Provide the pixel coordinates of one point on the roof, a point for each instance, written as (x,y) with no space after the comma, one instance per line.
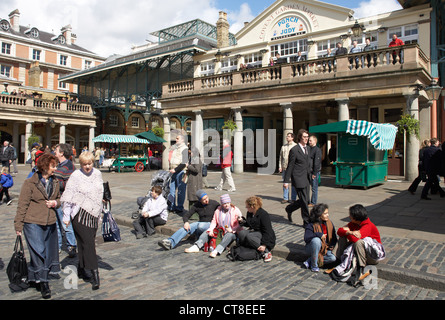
(190,28)
(381,135)
(150,136)
(119,138)
(42,37)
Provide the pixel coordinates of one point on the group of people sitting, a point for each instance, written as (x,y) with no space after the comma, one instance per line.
(221,223)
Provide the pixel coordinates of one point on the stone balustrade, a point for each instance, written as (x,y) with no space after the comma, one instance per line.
(375,61)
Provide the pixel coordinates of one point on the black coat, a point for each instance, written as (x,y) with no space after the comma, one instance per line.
(432,160)
(298,169)
(260,221)
(315,155)
(7,155)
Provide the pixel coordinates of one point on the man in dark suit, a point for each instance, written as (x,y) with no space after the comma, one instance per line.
(6,155)
(315,162)
(432,161)
(298,172)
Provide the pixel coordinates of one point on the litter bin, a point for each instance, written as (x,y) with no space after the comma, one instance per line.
(362,151)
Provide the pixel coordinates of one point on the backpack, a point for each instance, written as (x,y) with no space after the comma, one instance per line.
(241,253)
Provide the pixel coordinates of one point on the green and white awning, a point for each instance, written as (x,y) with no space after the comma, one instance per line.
(119,138)
(381,135)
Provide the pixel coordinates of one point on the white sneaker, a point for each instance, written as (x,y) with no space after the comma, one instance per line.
(218,188)
(213,254)
(192,249)
(231,190)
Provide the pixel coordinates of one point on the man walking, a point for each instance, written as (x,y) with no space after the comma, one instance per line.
(6,155)
(177,163)
(298,170)
(226,163)
(432,163)
(282,166)
(64,170)
(315,162)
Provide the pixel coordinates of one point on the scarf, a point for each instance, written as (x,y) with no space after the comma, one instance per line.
(85,191)
(324,243)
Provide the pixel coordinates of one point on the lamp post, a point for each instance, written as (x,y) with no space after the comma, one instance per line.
(433,91)
(357,29)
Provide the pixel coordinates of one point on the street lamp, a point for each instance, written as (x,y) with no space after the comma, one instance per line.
(357,29)
(433,90)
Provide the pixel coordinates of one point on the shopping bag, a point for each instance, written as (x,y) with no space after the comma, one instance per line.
(110,229)
(17,269)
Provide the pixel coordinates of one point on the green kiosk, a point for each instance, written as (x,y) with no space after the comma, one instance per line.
(362,151)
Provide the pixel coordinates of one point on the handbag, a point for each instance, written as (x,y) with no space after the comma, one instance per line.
(107,191)
(17,269)
(110,229)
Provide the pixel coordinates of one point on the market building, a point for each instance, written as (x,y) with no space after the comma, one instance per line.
(33,100)
(202,75)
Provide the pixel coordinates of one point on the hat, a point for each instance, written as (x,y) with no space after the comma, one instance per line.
(225,198)
(200,194)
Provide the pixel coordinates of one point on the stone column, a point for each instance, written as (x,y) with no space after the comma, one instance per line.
(28,133)
(288,123)
(62,133)
(165,153)
(238,166)
(343,109)
(412,143)
(90,139)
(197,131)
(312,116)
(48,134)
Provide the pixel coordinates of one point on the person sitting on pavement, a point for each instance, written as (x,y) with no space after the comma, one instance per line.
(225,219)
(205,208)
(365,239)
(260,234)
(320,238)
(154,213)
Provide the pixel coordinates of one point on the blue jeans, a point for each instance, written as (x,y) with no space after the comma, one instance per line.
(195,228)
(177,204)
(313,248)
(43,252)
(286,191)
(226,240)
(314,184)
(69,233)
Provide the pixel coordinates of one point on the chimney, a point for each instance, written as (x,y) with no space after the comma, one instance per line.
(66,32)
(14,20)
(222,31)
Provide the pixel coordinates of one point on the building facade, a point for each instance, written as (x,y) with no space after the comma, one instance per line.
(33,99)
(242,83)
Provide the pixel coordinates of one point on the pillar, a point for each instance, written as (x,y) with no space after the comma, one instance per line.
(197,131)
(412,143)
(62,133)
(90,139)
(343,109)
(238,166)
(28,133)
(165,153)
(288,123)
(48,135)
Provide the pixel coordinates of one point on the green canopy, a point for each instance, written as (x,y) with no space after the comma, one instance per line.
(119,138)
(149,135)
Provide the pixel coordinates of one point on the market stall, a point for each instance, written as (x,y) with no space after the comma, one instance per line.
(362,151)
(130,155)
(156,148)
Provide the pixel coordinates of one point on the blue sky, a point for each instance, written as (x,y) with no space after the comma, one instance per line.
(109,27)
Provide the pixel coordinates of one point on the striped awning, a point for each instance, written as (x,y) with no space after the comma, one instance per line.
(119,138)
(381,135)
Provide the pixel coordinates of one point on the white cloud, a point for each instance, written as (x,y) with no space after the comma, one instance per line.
(374,7)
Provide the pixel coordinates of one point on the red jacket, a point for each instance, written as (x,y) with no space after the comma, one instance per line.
(396,43)
(227,157)
(367,229)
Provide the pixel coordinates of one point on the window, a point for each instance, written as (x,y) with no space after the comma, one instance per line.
(228,65)
(63,60)
(207,68)
(323,45)
(36,54)
(253,59)
(62,85)
(409,33)
(6,48)
(5,70)
(135,122)
(289,48)
(114,122)
(88,64)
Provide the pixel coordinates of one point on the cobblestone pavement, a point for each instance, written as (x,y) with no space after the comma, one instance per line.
(412,232)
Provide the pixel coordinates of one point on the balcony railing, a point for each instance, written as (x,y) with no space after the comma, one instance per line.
(43,105)
(375,61)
